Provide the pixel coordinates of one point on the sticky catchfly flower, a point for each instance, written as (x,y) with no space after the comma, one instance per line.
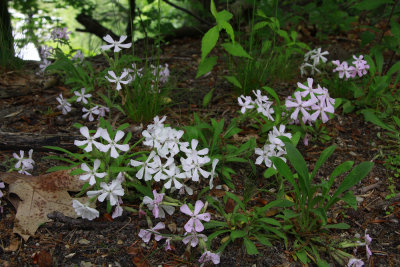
(91,174)
(116,44)
(194,223)
(145,235)
(64,106)
(84,210)
(89,139)
(118,80)
(82,97)
(111,191)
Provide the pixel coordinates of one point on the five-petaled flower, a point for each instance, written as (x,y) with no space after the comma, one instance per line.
(194,223)
(64,106)
(118,80)
(156,206)
(209,256)
(82,96)
(145,235)
(84,210)
(91,174)
(112,144)
(116,44)
(89,139)
(111,191)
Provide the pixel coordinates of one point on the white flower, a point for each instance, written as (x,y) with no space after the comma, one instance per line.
(212,174)
(173,174)
(84,210)
(91,174)
(158,123)
(245,102)
(64,106)
(102,110)
(317,56)
(160,168)
(111,191)
(118,80)
(267,152)
(1,186)
(192,153)
(275,133)
(82,96)
(194,167)
(89,112)
(78,55)
(355,263)
(115,44)
(90,140)
(25,163)
(112,144)
(145,170)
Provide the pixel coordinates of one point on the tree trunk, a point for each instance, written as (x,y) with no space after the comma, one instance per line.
(6,38)
(131,17)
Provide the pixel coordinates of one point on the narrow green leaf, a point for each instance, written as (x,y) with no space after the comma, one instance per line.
(370,116)
(324,156)
(342,226)
(263,240)
(298,162)
(235,50)
(236,199)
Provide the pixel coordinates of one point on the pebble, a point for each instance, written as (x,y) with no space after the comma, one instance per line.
(84,241)
(120,242)
(85,264)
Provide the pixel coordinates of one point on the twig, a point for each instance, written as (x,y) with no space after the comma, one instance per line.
(188,12)
(370,187)
(81,223)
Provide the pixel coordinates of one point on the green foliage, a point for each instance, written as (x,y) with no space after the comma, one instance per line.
(313,201)
(218,137)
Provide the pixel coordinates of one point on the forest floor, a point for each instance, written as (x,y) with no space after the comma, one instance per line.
(31,109)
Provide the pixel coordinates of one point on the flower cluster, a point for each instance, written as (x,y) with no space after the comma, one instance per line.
(1,195)
(111,191)
(311,60)
(261,102)
(274,148)
(311,103)
(23,164)
(345,71)
(60,34)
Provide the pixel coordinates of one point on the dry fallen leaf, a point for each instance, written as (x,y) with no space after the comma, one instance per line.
(41,195)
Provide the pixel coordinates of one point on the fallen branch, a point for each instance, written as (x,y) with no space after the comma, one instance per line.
(94,27)
(188,12)
(82,223)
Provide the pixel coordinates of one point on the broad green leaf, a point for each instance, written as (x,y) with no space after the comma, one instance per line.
(237,234)
(269,221)
(270,172)
(207,98)
(377,52)
(206,66)
(350,199)
(396,120)
(214,235)
(228,28)
(395,68)
(302,255)
(250,247)
(215,224)
(233,80)
(208,41)
(342,168)
(115,169)
(145,190)
(235,50)
(324,156)
(260,25)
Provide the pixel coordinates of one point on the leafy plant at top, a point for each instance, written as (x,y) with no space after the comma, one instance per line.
(312,201)
(245,223)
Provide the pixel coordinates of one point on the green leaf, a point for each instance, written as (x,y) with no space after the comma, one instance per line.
(395,68)
(215,224)
(237,234)
(370,116)
(269,221)
(214,235)
(235,50)
(350,199)
(59,168)
(206,66)
(302,255)
(233,80)
(396,120)
(115,169)
(342,168)
(342,226)
(228,28)
(236,199)
(285,171)
(145,190)
(208,41)
(371,4)
(270,172)
(272,92)
(324,156)
(263,240)
(298,162)
(356,175)
(213,9)
(250,247)
(260,25)
(207,98)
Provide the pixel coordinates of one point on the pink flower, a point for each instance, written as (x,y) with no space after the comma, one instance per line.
(368,241)
(156,207)
(209,256)
(194,223)
(300,105)
(145,235)
(193,238)
(355,263)
(343,69)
